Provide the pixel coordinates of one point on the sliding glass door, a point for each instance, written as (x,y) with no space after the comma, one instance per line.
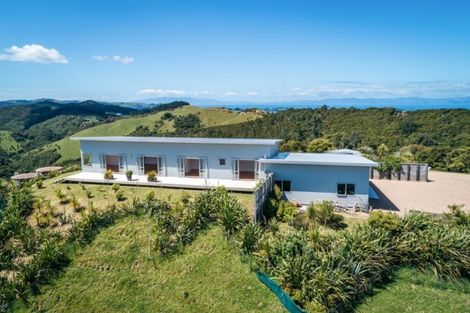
(245,169)
(152,163)
(192,167)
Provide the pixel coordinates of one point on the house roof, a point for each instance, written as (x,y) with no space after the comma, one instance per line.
(227,141)
(338,159)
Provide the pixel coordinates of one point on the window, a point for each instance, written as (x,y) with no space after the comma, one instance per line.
(221,161)
(346,189)
(86,159)
(284,185)
(350,189)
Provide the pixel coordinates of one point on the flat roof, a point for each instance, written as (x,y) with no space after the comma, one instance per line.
(320,159)
(223,141)
(47,169)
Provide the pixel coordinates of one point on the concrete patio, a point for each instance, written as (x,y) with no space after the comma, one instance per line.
(170,182)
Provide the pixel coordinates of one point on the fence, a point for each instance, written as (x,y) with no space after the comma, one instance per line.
(408,172)
(261,195)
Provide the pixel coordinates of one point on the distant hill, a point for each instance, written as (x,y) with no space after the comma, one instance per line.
(409,103)
(30,127)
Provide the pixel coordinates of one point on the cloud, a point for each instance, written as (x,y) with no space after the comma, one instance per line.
(115,58)
(33,53)
(163,92)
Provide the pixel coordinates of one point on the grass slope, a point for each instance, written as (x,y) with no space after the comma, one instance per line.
(7,142)
(69,149)
(114,274)
(418,292)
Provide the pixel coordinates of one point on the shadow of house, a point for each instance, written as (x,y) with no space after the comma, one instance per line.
(383,202)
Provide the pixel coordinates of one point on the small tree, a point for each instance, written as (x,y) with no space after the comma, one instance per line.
(319,145)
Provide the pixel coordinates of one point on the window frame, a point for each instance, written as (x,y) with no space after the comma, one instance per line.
(345,186)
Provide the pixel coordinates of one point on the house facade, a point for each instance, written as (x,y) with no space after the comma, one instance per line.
(341,177)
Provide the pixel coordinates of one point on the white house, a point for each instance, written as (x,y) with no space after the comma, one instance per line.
(236,164)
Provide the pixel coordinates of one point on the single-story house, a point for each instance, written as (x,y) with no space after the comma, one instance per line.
(238,164)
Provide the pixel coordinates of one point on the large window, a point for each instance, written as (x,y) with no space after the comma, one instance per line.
(86,159)
(346,189)
(284,185)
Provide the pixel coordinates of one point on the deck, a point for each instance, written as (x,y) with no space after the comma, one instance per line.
(169,182)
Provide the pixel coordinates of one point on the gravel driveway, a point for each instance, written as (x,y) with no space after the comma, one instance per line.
(434,196)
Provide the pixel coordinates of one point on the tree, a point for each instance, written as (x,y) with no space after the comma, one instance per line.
(187,122)
(407,126)
(382,152)
(292,146)
(319,145)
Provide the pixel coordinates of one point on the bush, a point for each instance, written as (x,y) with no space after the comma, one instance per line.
(89,194)
(129,174)
(108,174)
(326,216)
(286,211)
(152,176)
(115,187)
(457,216)
(249,238)
(387,221)
(120,196)
(39,183)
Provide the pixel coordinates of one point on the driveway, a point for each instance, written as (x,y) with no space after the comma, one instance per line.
(433,196)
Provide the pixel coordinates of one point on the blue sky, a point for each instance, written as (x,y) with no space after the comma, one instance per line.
(235,50)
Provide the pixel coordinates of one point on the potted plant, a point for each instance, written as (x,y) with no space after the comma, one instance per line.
(152,176)
(129,174)
(108,174)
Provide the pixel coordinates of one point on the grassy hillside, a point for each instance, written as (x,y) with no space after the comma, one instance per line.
(7,142)
(114,274)
(418,292)
(69,150)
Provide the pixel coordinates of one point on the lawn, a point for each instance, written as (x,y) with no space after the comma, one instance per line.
(103,195)
(414,291)
(114,274)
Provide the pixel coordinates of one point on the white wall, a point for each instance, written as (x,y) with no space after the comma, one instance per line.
(171,151)
(310,183)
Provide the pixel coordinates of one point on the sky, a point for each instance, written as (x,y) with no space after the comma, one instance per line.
(234,50)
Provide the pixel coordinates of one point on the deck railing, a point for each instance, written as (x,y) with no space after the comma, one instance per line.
(261,195)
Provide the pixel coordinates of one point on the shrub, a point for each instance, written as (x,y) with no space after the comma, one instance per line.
(120,196)
(385,220)
(39,183)
(286,211)
(89,194)
(115,187)
(231,215)
(152,176)
(129,174)
(249,237)
(108,174)
(61,196)
(77,207)
(326,216)
(457,216)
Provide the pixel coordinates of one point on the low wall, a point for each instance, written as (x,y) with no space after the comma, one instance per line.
(408,172)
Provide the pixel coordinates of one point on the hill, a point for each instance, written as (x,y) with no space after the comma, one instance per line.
(65,150)
(7,142)
(438,137)
(115,274)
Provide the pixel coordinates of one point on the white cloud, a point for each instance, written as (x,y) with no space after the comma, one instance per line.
(163,92)
(115,58)
(33,53)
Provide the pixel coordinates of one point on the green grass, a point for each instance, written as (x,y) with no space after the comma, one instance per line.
(7,143)
(103,195)
(114,274)
(69,149)
(414,292)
